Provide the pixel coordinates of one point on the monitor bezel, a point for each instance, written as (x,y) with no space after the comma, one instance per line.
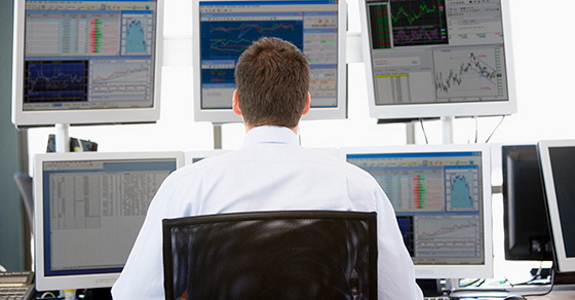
(435,110)
(561,262)
(485,270)
(222,116)
(21,118)
(95,280)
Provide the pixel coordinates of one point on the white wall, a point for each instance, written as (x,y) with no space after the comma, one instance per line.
(544,81)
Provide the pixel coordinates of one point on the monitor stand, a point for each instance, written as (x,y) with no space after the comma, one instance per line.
(62,138)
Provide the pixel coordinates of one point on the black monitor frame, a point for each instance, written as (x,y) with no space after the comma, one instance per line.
(526,229)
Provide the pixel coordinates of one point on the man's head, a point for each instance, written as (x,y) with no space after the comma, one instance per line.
(272,79)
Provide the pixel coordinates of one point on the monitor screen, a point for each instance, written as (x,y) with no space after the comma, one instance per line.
(442,199)
(267,254)
(558,169)
(86,62)
(224,29)
(524,219)
(437,58)
(89,208)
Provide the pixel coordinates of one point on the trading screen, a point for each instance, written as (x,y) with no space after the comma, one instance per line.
(227,28)
(89,55)
(438,201)
(93,211)
(437,51)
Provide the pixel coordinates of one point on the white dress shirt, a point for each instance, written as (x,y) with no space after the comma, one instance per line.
(270,172)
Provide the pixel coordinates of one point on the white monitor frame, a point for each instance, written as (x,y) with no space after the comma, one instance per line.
(70,281)
(225,115)
(92,116)
(563,263)
(429,271)
(193,156)
(395,112)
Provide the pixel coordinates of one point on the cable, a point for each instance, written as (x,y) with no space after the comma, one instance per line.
(476,283)
(495,129)
(530,281)
(550,287)
(424,133)
(476,129)
(47,294)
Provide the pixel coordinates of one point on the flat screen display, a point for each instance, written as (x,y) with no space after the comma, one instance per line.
(441,197)
(89,208)
(82,62)
(224,29)
(558,169)
(436,58)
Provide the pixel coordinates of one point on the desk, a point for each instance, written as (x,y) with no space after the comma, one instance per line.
(556,295)
(559,292)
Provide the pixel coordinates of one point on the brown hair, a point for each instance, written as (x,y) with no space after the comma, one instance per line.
(272,79)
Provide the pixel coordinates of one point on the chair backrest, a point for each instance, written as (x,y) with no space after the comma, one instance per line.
(271,255)
(24,183)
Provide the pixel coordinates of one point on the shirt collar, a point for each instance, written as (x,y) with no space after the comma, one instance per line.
(270,135)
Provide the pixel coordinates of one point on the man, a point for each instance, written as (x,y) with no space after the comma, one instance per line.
(270,172)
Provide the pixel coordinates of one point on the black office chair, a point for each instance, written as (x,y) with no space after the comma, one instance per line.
(24,183)
(271,255)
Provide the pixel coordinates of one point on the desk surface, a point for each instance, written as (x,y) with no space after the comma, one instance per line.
(559,292)
(556,295)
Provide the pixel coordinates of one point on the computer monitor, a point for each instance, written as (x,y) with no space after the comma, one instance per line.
(224,28)
(89,209)
(271,255)
(441,195)
(86,62)
(526,230)
(558,169)
(437,58)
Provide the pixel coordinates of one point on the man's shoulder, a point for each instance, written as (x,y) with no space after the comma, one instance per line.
(327,158)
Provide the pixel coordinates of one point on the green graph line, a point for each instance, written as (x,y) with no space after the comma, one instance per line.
(424,9)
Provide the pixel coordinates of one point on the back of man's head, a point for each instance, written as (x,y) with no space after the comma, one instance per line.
(272,79)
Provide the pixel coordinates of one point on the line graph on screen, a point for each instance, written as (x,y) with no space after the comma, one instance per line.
(120,79)
(229,39)
(457,235)
(464,73)
(55,81)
